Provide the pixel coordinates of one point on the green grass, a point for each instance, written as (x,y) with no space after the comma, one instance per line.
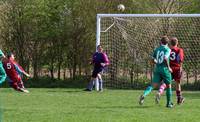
(75,105)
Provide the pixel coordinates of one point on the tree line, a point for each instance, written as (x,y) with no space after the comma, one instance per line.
(58,36)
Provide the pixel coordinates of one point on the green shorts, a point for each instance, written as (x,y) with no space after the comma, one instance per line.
(162,73)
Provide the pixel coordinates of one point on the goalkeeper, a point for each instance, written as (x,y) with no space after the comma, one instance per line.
(100,61)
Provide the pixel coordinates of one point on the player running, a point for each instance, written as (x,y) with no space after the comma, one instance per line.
(100,61)
(14,72)
(162,70)
(2,71)
(176,61)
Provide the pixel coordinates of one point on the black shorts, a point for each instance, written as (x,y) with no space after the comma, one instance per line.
(96,71)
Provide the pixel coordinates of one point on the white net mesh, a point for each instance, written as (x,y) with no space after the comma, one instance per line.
(129,42)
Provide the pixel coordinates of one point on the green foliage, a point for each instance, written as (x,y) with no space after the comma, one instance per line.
(47,82)
(192,86)
(60,34)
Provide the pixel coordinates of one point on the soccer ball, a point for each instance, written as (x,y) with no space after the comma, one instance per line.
(121,7)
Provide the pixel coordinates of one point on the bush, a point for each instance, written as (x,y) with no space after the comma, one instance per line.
(47,82)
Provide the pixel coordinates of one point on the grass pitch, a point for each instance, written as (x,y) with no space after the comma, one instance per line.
(75,105)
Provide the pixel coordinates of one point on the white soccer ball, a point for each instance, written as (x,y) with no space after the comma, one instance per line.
(121,7)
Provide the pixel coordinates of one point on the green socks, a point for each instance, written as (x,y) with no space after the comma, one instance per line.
(169,95)
(147,90)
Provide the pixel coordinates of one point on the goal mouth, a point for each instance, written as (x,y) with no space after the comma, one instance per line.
(129,40)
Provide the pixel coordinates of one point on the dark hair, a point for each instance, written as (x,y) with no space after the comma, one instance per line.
(9,54)
(173,41)
(98,46)
(164,40)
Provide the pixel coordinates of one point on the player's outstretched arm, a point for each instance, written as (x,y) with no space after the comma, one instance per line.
(27,75)
(21,70)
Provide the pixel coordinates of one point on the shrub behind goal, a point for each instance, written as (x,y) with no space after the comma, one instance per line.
(129,40)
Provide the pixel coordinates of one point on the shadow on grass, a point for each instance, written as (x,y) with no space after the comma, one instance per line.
(67,91)
(117,107)
(141,107)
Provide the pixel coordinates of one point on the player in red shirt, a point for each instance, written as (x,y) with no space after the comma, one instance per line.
(176,61)
(14,72)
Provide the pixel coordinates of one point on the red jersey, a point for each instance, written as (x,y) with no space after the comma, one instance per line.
(11,71)
(176,57)
(20,70)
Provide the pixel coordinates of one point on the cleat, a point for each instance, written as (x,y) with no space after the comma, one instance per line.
(180,100)
(87,90)
(141,100)
(170,105)
(24,90)
(157,99)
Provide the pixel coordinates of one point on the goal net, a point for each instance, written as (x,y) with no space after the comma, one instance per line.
(129,40)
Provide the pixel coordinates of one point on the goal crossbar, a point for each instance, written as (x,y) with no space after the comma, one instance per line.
(148,15)
(99,16)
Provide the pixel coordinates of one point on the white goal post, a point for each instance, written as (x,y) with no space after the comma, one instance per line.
(129,39)
(99,16)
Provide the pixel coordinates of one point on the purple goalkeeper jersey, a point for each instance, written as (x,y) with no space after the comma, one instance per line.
(99,58)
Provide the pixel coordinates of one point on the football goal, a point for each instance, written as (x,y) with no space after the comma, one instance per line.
(129,40)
